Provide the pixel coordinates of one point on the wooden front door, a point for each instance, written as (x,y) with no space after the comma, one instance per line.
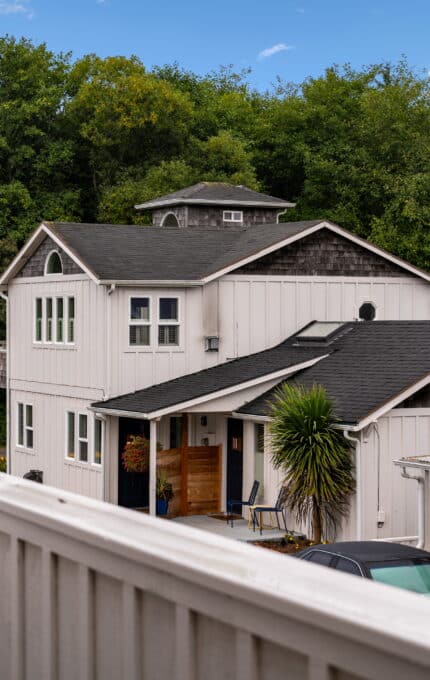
(234,459)
(133,487)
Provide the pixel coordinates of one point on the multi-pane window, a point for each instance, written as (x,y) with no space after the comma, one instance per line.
(168,321)
(38,320)
(98,440)
(25,425)
(140,321)
(77,436)
(54,320)
(232,216)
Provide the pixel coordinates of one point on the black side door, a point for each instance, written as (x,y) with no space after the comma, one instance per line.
(133,487)
(234,459)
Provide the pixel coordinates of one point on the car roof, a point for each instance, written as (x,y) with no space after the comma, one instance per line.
(371,551)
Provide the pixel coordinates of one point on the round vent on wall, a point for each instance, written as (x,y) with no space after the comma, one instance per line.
(367,311)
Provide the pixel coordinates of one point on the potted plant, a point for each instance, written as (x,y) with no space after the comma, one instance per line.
(135,455)
(164,494)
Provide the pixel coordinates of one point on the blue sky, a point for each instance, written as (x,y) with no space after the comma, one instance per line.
(289,38)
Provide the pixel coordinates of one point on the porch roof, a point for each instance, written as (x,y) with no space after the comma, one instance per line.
(369,371)
(366,367)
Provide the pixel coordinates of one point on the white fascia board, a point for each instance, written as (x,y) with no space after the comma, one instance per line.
(261,253)
(377,251)
(152,283)
(32,242)
(389,405)
(70,253)
(30,247)
(248,416)
(182,406)
(197,201)
(307,232)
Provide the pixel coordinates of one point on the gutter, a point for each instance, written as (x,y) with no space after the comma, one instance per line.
(202,201)
(5,297)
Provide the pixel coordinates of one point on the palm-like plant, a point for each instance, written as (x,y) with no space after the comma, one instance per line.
(314,454)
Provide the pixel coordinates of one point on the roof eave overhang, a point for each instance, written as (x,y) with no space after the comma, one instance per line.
(159,283)
(203,399)
(31,245)
(324,224)
(223,202)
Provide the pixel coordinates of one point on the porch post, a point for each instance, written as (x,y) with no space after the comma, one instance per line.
(152,466)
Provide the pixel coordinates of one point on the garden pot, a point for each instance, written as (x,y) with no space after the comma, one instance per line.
(162,506)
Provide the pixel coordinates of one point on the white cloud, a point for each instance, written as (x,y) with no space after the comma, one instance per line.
(15,7)
(270,51)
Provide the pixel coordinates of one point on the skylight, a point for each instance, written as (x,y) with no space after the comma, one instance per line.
(319,330)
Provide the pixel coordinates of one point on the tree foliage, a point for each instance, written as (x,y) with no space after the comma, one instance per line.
(86,139)
(314,456)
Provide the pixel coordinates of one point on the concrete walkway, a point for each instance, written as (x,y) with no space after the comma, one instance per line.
(239,531)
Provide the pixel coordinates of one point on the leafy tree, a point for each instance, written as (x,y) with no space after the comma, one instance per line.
(314,455)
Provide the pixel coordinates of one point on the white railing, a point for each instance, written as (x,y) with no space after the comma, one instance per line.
(89,590)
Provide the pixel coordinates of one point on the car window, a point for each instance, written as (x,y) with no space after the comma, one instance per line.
(411,575)
(319,557)
(348,566)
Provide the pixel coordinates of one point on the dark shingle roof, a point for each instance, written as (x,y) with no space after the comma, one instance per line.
(367,367)
(216,192)
(133,253)
(211,380)
(368,364)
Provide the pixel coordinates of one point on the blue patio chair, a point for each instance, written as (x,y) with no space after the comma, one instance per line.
(240,504)
(278,508)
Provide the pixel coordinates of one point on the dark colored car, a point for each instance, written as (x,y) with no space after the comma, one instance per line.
(392,563)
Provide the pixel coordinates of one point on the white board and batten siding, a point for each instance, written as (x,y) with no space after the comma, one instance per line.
(49,444)
(257,312)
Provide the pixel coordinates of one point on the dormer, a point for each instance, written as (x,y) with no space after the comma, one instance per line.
(215,205)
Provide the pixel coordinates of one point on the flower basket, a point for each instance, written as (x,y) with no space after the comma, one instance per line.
(135,456)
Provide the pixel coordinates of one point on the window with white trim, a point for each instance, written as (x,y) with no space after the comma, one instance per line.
(53,264)
(99,429)
(54,320)
(38,320)
(140,321)
(168,321)
(232,216)
(77,436)
(25,425)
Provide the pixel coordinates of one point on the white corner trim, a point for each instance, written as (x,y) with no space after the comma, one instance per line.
(182,406)
(389,405)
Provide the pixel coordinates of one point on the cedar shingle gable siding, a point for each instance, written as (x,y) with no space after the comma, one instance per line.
(323,254)
(35,266)
(211,217)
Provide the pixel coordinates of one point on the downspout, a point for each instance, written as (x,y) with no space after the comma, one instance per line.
(108,386)
(278,215)
(358,520)
(5,297)
(421,506)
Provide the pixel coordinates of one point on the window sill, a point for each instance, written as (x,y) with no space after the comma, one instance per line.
(25,449)
(82,465)
(55,345)
(164,349)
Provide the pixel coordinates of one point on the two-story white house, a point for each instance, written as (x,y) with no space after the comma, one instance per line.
(180,331)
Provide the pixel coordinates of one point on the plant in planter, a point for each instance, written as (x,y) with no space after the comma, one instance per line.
(164,494)
(135,456)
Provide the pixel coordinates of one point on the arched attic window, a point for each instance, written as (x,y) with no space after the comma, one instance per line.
(53,264)
(170,220)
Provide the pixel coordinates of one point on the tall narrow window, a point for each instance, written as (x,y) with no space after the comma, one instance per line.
(60,320)
(38,320)
(48,325)
(71,320)
(259,458)
(98,440)
(140,320)
(70,435)
(168,316)
(25,425)
(83,438)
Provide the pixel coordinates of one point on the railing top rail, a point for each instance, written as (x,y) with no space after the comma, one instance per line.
(362,611)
